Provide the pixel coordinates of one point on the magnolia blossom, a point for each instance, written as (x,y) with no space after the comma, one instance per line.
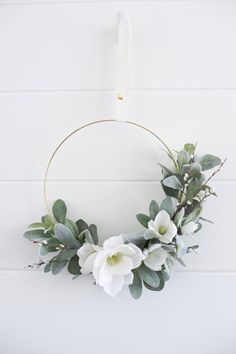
(155,256)
(114,263)
(87,254)
(189,228)
(163,227)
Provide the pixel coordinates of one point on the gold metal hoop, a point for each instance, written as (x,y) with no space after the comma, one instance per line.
(86,126)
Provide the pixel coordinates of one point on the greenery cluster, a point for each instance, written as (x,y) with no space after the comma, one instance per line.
(186,189)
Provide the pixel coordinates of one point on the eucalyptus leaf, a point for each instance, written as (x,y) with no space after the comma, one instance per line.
(193,169)
(66,254)
(179,217)
(194,186)
(45,249)
(88,236)
(143,219)
(209,161)
(36,235)
(47,267)
(190,148)
(161,283)
(72,226)
(166,171)
(172,182)
(65,236)
(56,267)
(93,231)
(170,192)
(194,216)
(167,205)
(82,225)
(183,158)
(59,211)
(148,276)
(73,266)
(153,209)
(136,287)
(37,225)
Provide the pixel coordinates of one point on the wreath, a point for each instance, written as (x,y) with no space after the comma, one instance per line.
(143,259)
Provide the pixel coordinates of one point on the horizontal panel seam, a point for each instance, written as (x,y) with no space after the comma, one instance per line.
(204,271)
(107,90)
(98,181)
(43,2)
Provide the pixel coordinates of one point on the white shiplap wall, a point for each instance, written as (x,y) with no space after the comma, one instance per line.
(57,71)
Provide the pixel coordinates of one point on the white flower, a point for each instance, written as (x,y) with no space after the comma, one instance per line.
(114,263)
(87,254)
(155,256)
(189,228)
(181,248)
(163,227)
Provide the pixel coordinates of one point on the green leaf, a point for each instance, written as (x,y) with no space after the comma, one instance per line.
(193,216)
(161,283)
(53,242)
(94,233)
(195,186)
(190,148)
(153,209)
(37,225)
(148,276)
(88,236)
(183,158)
(66,255)
(136,287)
(65,236)
(47,267)
(179,217)
(56,267)
(192,170)
(170,192)
(165,170)
(45,249)
(82,225)
(209,161)
(73,266)
(172,182)
(143,219)
(36,235)
(72,226)
(167,205)
(59,211)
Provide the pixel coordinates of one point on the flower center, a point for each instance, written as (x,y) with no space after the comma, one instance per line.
(114,259)
(162,230)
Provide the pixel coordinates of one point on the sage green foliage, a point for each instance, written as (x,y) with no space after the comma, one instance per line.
(62,236)
(185,187)
(182,185)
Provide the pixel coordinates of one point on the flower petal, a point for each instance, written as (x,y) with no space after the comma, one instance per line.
(137,257)
(189,228)
(113,287)
(156,259)
(113,242)
(122,267)
(162,219)
(88,265)
(170,233)
(84,252)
